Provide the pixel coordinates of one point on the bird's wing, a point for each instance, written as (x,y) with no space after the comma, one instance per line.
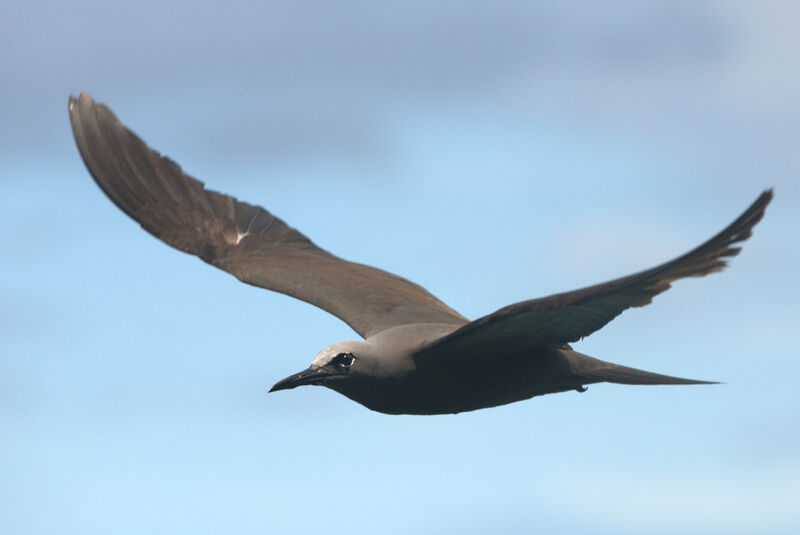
(567,317)
(242,239)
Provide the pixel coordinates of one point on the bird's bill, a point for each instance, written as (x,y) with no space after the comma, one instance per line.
(310,376)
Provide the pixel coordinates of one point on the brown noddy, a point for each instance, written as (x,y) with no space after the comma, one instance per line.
(418,355)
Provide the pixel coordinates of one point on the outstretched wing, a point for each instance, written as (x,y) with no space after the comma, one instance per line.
(567,317)
(242,239)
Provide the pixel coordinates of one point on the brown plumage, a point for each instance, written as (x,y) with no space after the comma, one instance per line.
(419,355)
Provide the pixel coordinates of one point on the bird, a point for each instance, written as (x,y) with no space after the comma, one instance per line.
(416,355)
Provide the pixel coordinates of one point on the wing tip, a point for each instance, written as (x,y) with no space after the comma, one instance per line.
(83,100)
(754,213)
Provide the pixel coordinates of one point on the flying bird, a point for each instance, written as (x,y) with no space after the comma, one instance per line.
(418,355)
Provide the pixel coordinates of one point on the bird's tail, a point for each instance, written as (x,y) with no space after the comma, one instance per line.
(595,370)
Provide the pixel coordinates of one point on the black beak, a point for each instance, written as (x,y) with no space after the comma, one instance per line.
(311,376)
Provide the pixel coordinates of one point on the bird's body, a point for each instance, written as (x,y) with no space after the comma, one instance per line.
(405,372)
(418,356)
(434,388)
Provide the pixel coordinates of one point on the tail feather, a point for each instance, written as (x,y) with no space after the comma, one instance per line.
(596,370)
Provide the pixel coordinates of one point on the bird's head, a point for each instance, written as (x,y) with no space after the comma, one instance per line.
(344,362)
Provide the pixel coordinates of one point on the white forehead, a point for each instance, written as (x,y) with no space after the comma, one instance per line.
(327,354)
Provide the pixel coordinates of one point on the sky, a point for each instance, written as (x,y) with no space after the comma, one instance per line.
(490,151)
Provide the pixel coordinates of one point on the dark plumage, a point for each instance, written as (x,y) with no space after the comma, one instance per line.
(419,355)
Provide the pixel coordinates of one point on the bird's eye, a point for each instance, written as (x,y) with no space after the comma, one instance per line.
(344,360)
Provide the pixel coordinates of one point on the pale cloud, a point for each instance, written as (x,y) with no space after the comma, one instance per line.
(615,246)
(321,80)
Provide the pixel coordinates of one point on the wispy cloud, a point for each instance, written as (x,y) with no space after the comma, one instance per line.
(320,80)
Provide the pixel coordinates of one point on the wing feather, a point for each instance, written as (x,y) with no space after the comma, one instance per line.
(567,317)
(240,238)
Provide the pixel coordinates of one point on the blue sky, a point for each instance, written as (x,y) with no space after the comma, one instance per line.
(492,152)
